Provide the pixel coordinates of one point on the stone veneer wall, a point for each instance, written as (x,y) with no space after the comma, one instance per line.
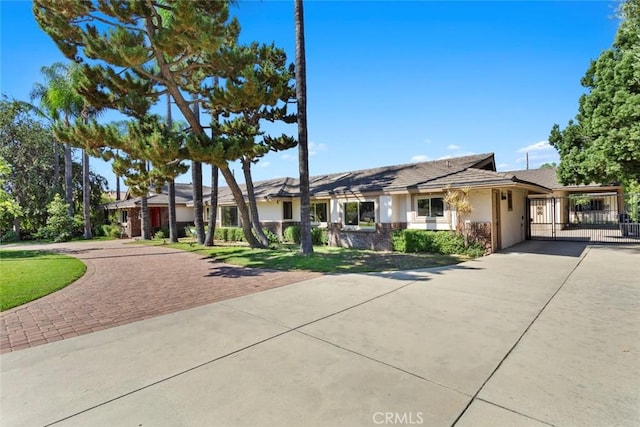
(378,239)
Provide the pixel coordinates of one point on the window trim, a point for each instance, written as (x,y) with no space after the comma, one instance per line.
(222,216)
(284,210)
(444,206)
(326,211)
(358,226)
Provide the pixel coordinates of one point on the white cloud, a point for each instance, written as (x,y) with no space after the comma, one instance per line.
(538,146)
(264,164)
(316,148)
(288,156)
(419,158)
(453,147)
(448,156)
(503,166)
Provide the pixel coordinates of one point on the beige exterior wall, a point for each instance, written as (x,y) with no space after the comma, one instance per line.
(481,202)
(513,221)
(399,205)
(184,214)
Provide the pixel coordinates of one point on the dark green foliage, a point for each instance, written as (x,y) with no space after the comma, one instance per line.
(271,236)
(110,230)
(319,236)
(437,242)
(292,234)
(602,144)
(8,237)
(229,234)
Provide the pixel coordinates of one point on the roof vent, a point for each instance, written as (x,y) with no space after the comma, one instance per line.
(448,163)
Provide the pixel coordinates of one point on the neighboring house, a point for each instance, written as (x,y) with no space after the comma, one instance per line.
(128,210)
(362,208)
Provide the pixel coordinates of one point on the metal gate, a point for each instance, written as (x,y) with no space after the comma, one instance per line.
(593,217)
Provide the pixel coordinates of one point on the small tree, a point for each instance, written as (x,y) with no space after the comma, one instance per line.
(60,225)
(458,200)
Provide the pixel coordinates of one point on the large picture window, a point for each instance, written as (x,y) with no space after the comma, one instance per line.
(229,216)
(318,212)
(430,207)
(362,214)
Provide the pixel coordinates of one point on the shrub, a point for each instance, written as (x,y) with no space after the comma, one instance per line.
(440,242)
(159,235)
(229,234)
(9,236)
(111,230)
(271,236)
(190,231)
(292,234)
(319,236)
(60,226)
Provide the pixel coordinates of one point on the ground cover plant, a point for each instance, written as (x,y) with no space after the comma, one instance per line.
(29,275)
(325,259)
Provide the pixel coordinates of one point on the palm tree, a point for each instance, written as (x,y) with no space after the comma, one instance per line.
(60,102)
(306,244)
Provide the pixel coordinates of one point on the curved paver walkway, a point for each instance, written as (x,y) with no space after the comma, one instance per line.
(127,283)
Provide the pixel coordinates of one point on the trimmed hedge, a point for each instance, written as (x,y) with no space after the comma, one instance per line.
(319,236)
(292,234)
(439,242)
(229,234)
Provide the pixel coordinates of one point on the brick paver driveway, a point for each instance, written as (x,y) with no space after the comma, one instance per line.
(127,283)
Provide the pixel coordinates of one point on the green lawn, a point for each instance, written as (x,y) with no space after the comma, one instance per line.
(28,275)
(324,260)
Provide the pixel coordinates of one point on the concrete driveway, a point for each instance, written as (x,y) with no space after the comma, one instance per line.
(544,334)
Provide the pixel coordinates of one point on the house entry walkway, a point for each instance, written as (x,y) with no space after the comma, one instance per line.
(593,218)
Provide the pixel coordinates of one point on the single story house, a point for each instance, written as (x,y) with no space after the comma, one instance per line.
(362,208)
(128,210)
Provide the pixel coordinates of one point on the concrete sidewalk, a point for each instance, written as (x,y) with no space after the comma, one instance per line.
(517,338)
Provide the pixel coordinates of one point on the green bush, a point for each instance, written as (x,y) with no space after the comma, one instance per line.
(229,234)
(9,236)
(440,242)
(111,230)
(159,235)
(319,236)
(60,226)
(292,234)
(271,236)
(190,231)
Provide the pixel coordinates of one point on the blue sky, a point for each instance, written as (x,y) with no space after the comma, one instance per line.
(394,82)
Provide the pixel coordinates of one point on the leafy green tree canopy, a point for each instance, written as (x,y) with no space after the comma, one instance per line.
(602,144)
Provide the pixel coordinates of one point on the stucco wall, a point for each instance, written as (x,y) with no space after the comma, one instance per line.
(184,214)
(481,202)
(513,222)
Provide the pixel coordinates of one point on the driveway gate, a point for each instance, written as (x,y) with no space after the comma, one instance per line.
(593,217)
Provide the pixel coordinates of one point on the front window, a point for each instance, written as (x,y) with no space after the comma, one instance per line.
(430,207)
(360,214)
(287,210)
(229,216)
(318,212)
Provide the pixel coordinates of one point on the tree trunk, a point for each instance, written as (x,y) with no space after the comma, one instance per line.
(118,187)
(306,244)
(173,227)
(17,227)
(86,195)
(144,214)
(68,178)
(56,167)
(196,177)
(213,212)
(242,207)
(253,208)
